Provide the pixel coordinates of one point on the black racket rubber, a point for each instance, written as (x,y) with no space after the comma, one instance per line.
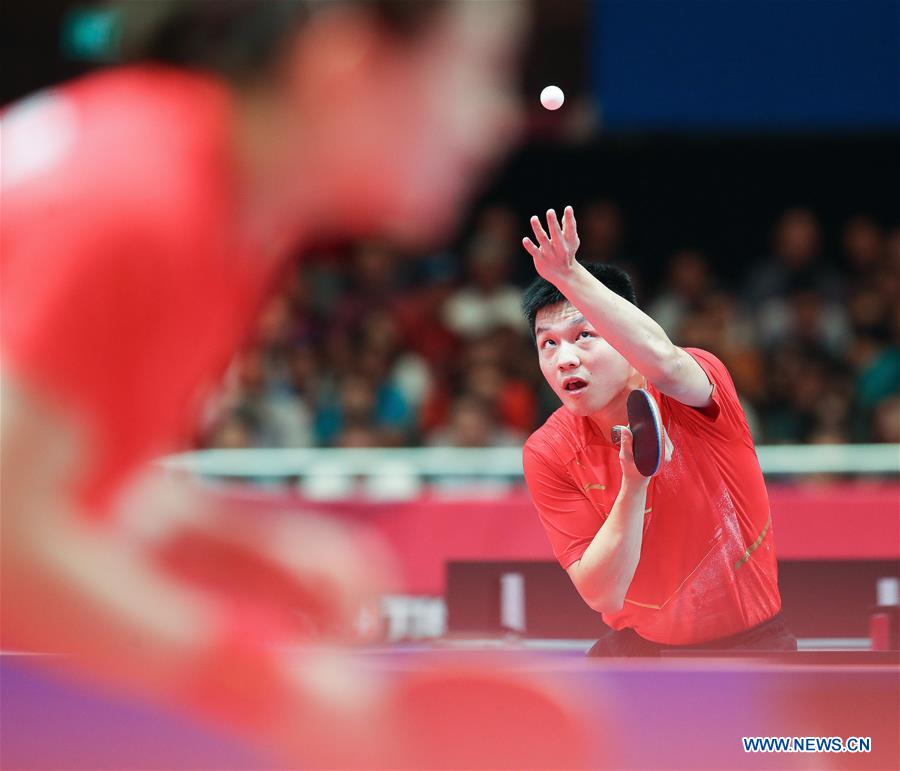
(646,428)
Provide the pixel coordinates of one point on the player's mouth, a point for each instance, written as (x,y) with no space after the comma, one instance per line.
(574,385)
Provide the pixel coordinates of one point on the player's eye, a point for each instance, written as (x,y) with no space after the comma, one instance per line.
(584,335)
(547,343)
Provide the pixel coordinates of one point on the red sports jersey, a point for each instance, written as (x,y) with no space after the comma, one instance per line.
(126,284)
(707,567)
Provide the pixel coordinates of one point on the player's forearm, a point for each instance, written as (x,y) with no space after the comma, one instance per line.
(607,566)
(629,330)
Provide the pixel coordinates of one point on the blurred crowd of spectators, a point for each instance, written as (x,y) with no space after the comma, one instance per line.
(384,349)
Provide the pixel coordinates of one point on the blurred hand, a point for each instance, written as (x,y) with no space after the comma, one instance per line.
(554,255)
(304,575)
(310,577)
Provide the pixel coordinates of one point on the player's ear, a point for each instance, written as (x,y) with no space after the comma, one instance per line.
(333,52)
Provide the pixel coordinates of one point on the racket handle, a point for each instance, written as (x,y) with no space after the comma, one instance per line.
(616,434)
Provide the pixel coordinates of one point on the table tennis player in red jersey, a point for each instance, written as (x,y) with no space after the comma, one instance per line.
(147,211)
(682,558)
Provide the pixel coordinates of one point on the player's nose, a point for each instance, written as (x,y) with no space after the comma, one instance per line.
(568,357)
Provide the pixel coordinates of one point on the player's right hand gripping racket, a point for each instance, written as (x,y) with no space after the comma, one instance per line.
(648,443)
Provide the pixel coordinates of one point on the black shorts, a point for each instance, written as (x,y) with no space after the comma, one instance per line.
(771,635)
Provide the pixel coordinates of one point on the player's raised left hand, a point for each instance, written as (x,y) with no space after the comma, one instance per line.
(554,254)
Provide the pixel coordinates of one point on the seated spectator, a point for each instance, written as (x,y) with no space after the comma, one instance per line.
(488,299)
(500,225)
(487,368)
(877,367)
(863,248)
(384,357)
(473,423)
(235,430)
(303,371)
(602,231)
(717,324)
(812,321)
(796,253)
(801,379)
(483,369)
(372,283)
(359,402)
(796,262)
(886,421)
(276,416)
(869,311)
(419,319)
(359,434)
(512,400)
(688,284)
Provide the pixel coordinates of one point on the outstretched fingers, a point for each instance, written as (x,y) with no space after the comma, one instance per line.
(553,249)
(553,226)
(539,233)
(569,228)
(531,247)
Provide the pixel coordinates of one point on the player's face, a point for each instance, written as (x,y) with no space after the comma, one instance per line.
(410,126)
(584,371)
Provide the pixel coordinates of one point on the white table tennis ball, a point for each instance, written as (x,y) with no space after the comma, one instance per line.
(552,97)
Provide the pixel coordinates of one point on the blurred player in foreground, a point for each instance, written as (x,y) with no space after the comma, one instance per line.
(147,212)
(682,558)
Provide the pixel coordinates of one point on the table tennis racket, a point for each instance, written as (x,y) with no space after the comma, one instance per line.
(648,442)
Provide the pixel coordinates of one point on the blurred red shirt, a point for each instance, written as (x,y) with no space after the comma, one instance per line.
(707,567)
(126,285)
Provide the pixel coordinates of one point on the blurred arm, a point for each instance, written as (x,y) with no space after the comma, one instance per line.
(72,588)
(111,610)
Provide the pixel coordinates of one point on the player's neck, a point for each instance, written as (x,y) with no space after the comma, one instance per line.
(615,413)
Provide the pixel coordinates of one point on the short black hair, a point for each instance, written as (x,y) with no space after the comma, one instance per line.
(541,293)
(241,40)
